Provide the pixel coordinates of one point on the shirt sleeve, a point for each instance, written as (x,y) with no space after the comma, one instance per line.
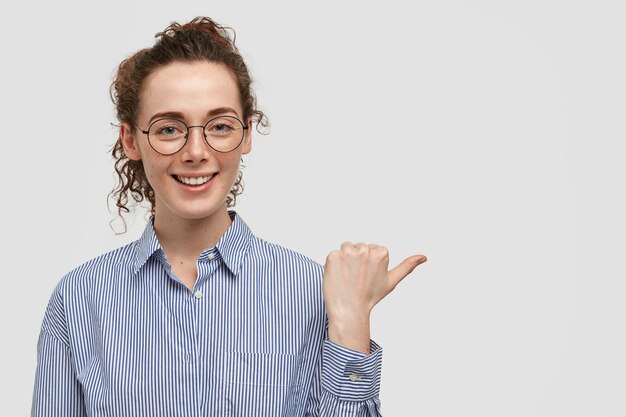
(350,381)
(57,391)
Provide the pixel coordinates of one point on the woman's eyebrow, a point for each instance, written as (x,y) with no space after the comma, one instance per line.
(221,110)
(178,115)
(160,115)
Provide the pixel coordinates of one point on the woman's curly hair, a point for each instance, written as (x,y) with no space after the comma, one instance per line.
(201,39)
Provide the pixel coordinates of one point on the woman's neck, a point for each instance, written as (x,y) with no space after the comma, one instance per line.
(186,239)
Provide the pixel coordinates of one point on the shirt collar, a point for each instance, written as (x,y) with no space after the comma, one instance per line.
(234,243)
(147,245)
(232,246)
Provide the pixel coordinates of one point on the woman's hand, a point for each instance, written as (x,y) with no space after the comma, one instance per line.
(356,278)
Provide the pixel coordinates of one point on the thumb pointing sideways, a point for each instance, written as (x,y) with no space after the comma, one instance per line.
(405,267)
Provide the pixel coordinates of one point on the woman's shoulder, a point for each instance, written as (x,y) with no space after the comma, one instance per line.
(115,263)
(91,280)
(265,251)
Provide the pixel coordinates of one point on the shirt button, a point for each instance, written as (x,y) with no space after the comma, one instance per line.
(354,377)
(198,294)
(211,256)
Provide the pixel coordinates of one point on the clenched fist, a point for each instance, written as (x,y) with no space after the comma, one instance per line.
(356,278)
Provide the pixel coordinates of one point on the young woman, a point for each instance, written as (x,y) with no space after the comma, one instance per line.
(199,317)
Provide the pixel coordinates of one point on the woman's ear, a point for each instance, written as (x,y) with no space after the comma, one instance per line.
(129,143)
(247,139)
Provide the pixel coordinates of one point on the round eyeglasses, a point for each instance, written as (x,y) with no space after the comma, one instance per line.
(168,136)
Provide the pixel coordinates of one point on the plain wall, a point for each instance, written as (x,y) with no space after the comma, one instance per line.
(488,135)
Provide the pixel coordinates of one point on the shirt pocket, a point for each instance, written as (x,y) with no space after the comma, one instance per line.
(264,383)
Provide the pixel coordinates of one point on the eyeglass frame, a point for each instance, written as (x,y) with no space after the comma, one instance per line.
(206,140)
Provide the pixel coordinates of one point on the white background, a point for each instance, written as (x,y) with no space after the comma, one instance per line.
(487,135)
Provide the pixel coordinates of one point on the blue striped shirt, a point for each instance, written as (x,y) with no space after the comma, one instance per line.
(122,336)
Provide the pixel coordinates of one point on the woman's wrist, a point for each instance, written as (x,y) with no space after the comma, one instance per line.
(352,332)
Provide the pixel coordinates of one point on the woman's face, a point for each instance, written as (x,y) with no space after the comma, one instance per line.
(194,93)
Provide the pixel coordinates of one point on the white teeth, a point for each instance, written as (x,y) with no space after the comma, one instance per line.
(194,180)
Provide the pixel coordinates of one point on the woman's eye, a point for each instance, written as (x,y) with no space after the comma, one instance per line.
(168,130)
(221,128)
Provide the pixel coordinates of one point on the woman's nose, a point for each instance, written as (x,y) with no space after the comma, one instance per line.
(196,147)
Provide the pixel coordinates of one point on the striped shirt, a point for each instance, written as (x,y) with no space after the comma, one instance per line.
(122,336)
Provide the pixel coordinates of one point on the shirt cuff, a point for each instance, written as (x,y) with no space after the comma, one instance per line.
(351,375)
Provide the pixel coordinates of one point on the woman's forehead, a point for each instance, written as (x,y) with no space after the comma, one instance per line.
(190,88)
